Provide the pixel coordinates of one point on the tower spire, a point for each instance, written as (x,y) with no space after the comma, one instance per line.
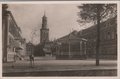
(44,13)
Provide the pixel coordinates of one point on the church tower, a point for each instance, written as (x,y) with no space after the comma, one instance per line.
(44,35)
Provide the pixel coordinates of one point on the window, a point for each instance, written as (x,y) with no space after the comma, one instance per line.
(108,35)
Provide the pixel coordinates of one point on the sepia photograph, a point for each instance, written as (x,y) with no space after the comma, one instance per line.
(59,40)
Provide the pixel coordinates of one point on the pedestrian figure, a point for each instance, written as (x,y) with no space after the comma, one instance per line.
(31,60)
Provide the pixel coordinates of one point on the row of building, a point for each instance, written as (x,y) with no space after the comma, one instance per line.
(71,47)
(12,41)
(108,39)
(14,44)
(82,44)
(76,45)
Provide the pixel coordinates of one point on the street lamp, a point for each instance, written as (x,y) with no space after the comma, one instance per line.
(59,45)
(69,49)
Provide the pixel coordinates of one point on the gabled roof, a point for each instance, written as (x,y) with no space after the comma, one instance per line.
(71,37)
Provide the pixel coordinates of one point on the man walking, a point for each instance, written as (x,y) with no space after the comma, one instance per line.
(31,60)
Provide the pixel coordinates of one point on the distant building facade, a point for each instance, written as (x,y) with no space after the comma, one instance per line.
(83,43)
(71,47)
(23,45)
(29,49)
(11,35)
(108,39)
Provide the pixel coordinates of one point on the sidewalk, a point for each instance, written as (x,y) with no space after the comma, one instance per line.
(59,65)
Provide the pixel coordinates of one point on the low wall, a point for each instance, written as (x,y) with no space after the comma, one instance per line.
(110,57)
(67,57)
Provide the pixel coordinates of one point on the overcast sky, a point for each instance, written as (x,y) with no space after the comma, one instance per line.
(61,19)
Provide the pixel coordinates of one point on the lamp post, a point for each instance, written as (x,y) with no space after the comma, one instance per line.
(69,49)
(59,49)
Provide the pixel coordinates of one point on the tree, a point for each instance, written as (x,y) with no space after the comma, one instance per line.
(96,13)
